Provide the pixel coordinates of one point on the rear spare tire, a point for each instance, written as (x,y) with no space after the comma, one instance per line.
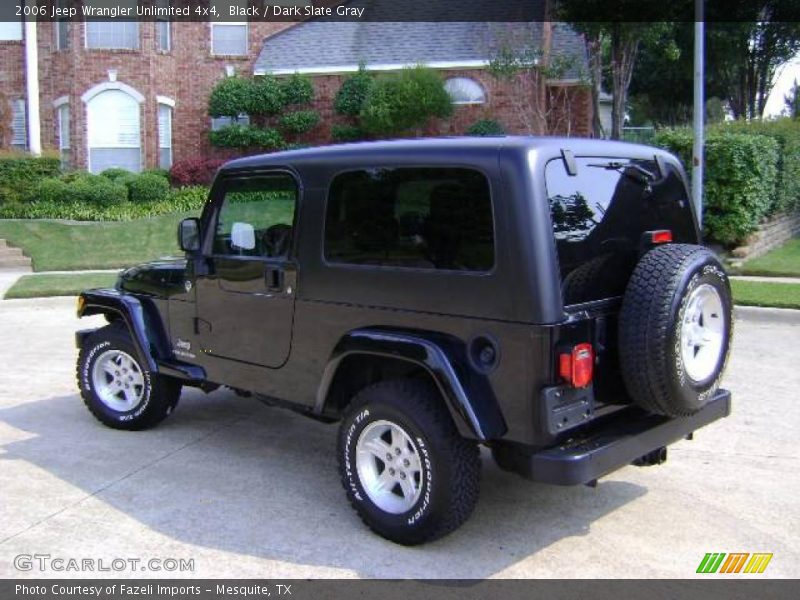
(675,328)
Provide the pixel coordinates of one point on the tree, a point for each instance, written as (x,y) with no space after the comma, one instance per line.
(399,102)
(526,66)
(624,39)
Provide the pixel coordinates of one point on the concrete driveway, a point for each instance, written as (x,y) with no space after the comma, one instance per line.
(247,491)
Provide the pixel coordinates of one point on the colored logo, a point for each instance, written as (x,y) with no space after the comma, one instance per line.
(735,562)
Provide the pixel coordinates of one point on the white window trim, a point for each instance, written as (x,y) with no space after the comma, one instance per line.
(165,100)
(111,85)
(60,100)
(98,89)
(246,24)
(468,102)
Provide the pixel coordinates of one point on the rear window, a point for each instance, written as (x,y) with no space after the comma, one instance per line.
(422,218)
(600,215)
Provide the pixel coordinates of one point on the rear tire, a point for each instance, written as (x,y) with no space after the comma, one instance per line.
(407,472)
(675,328)
(117,388)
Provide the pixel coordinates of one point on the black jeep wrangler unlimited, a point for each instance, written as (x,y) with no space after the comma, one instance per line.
(547,298)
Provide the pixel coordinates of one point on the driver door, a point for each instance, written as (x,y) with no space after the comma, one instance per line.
(245,304)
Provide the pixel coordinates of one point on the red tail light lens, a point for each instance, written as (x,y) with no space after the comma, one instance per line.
(577,367)
(662,236)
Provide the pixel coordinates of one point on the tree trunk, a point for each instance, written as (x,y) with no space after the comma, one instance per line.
(594,52)
(623,58)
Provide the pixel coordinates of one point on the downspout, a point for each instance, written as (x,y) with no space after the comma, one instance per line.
(32,86)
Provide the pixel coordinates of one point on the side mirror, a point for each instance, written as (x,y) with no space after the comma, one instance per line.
(189,235)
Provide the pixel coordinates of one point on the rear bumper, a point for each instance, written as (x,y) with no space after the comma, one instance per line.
(627,436)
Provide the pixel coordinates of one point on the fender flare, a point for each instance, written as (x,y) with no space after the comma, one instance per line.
(147,332)
(467,393)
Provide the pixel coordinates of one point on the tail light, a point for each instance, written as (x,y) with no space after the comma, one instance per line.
(577,366)
(662,236)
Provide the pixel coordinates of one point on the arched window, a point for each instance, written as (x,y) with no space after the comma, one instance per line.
(112,118)
(464,90)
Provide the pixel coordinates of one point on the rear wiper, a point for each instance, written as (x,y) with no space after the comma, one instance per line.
(645,176)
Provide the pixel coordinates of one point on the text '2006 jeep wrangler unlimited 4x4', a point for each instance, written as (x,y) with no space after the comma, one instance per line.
(547,298)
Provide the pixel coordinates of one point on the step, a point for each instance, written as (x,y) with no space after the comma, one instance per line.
(9,252)
(14,261)
(3,244)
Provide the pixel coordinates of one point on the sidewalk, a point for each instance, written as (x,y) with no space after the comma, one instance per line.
(763,279)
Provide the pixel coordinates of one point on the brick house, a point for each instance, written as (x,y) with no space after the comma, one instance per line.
(136,94)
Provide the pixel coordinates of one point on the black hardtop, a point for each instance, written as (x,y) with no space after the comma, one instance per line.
(444,149)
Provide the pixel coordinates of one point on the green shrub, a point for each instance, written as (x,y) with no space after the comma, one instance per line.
(188,198)
(230,97)
(265,96)
(179,200)
(20,175)
(115,173)
(347,133)
(787,133)
(353,94)
(246,136)
(300,121)
(160,172)
(297,89)
(486,127)
(406,100)
(740,179)
(80,188)
(146,187)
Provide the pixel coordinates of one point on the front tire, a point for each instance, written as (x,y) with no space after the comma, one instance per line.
(407,472)
(116,388)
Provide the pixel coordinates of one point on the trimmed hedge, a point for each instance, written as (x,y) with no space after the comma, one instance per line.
(55,207)
(787,133)
(146,187)
(740,179)
(351,97)
(247,136)
(347,133)
(20,175)
(300,121)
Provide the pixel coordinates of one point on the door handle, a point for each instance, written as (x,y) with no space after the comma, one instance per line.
(274,279)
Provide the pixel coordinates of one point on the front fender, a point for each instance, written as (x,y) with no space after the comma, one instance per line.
(467,393)
(146,329)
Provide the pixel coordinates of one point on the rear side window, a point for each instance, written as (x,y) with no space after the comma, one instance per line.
(601,214)
(423,218)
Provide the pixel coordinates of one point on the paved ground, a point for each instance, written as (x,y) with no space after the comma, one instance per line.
(248,491)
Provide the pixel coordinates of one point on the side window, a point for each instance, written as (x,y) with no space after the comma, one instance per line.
(424,218)
(256,217)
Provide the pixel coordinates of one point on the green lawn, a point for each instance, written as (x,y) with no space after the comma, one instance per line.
(781,262)
(55,246)
(757,293)
(37,286)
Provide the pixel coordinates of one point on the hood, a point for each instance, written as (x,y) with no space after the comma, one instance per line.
(164,277)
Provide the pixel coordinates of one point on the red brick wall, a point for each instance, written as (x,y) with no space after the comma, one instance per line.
(188,73)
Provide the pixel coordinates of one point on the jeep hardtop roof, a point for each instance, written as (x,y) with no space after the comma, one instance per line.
(450,147)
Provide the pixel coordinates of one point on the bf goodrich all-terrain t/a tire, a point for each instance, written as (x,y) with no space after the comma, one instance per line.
(675,329)
(117,388)
(407,472)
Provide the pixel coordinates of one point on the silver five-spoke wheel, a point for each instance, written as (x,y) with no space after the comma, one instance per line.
(118,380)
(389,466)
(702,332)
